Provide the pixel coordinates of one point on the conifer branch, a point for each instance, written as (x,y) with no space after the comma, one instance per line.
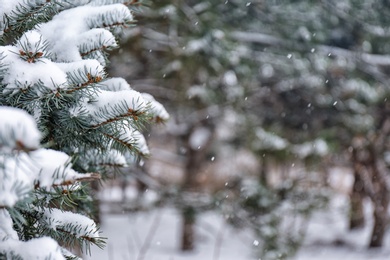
(91,80)
(26,16)
(133,2)
(91,177)
(102,48)
(116,139)
(88,178)
(134,114)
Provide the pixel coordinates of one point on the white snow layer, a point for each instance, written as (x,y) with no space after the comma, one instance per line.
(157,109)
(93,67)
(7,7)
(16,179)
(37,248)
(18,130)
(22,74)
(45,168)
(78,32)
(6,230)
(67,221)
(110,104)
(114,84)
(48,248)
(134,137)
(20,172)
(74,24)
(54,168)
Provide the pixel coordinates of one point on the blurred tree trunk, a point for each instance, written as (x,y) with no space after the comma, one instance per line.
(380,199)
(95,187)
(357,194)
(195,158)
(371,171)
(263,178)
(190,184)
(379,192)
(188,229)
(381,202)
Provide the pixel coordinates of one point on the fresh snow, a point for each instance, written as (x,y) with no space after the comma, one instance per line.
(16,179)
(73,27)
(53,168)
(67,221)
(6,226)
(134,137)
(22,74)
(7,7)
(37,248)
(82,67)
(114,84)
(17,127)
(156,108)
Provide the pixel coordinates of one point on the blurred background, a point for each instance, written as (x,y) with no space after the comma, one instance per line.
(277,145)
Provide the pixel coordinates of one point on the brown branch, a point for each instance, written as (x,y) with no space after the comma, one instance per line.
(133,2)
(95,49)
(149,236)
(91,80)
(91,177)
(114,25)
(130,146)
(130,113)
(110,165)
(87,178)
(90,239)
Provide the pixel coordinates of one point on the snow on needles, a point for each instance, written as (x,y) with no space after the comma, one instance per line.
(20,172)
(6,230)
(22,75)
(18,130)
(54,168)
(74,26)
(42,248)
(6,8)
(76,224)
(77,36)
(42,168)
(108,104)
(157,109)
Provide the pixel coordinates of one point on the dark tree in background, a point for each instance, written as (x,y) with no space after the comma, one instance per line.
(294,82)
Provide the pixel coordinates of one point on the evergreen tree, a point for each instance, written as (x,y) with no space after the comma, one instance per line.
(323,75)
(63,122)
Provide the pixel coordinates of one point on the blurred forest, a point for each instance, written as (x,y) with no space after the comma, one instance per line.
(265,98)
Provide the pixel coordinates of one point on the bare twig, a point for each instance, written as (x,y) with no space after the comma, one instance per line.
(149,237)
(218,241)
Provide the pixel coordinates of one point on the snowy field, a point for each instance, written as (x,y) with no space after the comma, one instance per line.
(155,236)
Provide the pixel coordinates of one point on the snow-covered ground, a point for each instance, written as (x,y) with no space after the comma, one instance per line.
(155,235)
(328,236)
